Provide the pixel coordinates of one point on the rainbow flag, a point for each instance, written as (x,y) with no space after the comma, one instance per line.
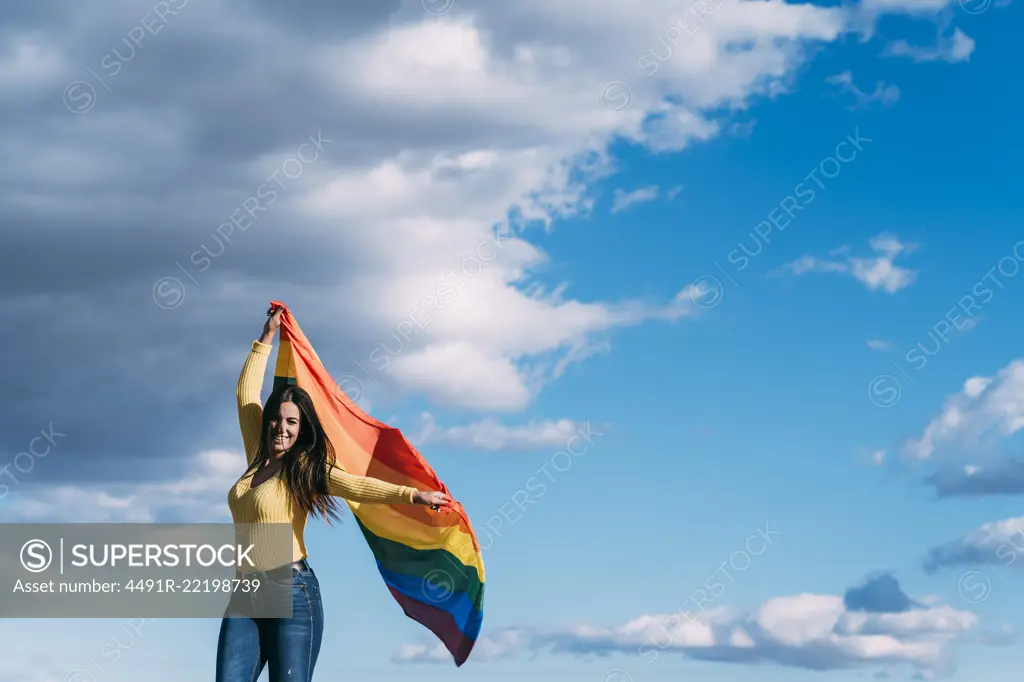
(429,560)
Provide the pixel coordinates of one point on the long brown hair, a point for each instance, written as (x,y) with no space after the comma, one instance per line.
(304,464)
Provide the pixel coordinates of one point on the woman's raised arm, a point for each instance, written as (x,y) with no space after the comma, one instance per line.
(250,383)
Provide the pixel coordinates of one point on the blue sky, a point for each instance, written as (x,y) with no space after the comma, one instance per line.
(727,405)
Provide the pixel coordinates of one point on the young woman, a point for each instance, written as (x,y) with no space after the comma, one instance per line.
(290,476)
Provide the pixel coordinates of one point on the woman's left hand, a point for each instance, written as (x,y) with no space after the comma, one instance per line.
(434,498)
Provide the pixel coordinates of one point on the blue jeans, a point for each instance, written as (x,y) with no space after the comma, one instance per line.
(289,646)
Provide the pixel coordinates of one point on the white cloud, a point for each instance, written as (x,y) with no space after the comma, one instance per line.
(808,264)
(810,631)
(877,344)
(878,273)
(497,644)
(957,48)
(886,95)
(986,411)
(489,434)
(198,495)
(999,543)
(493,346)
(623,200)
(451,372)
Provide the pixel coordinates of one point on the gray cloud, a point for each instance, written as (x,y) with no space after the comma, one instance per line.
(100,204)
(879,594)
(995,543)
(1001,477)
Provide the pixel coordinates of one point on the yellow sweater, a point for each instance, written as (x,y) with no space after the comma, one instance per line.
(270,502)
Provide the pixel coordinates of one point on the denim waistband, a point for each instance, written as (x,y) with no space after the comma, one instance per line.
(286,571)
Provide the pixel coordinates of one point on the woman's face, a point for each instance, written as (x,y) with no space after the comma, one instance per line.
(283,428)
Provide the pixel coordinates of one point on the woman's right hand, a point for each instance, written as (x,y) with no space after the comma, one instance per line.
(272,323)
